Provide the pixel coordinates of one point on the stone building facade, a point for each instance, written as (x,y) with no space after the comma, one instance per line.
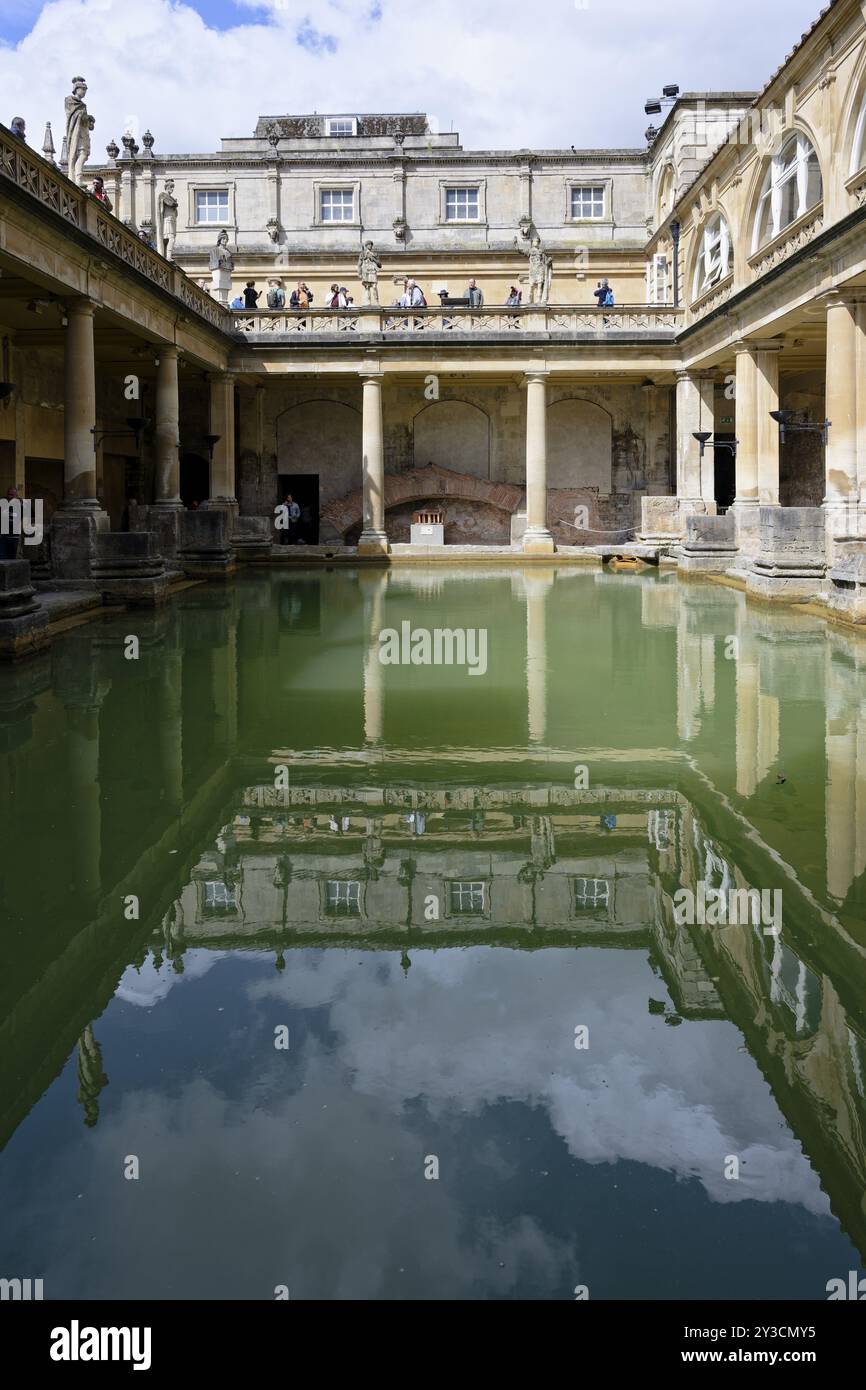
(717,410)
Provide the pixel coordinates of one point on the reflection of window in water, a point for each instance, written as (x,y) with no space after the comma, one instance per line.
(660,828)
(343,898)
(219,897)
(592,894)
(466,899)
(792,983)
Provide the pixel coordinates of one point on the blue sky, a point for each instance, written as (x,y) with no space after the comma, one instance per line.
(503,74)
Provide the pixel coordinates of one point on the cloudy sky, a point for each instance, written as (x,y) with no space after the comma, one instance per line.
(501,72)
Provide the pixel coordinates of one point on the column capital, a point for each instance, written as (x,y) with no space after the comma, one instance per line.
(743,345)
(539,374)
(371,374)
(220,378)
(841,298)
(80,304)
(167,350)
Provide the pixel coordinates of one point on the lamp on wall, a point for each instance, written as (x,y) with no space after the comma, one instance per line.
(789,424)
(136,425)
(704,437)
(211,440)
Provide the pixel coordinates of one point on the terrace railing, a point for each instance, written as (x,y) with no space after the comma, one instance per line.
(50,188)
(267,325)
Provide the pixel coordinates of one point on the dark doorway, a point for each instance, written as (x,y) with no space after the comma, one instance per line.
(725,473)
(194,479)
(304,488)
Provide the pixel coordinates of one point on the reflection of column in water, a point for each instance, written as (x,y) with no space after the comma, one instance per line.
(171,725)
(537,586)
(688,679)
(708,670)
(91,1077)
(374,586)
(841,794)
(85,822)
(224,669)
(747,684)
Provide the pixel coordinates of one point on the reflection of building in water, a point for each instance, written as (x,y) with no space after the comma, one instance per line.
(91,1077)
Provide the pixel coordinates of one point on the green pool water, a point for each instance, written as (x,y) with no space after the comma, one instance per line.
(341,977)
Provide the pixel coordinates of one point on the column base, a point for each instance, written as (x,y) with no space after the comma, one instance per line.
(840,519)
(537,540)
(747,527)
(373,543)
(74,528)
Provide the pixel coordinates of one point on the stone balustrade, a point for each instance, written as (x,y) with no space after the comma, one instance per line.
(48,186)
(267,325)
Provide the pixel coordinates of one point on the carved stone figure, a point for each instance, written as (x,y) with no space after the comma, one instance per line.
(221,257)
(540,270)
(78,127)
(369,266)
(272,227)
(166,220)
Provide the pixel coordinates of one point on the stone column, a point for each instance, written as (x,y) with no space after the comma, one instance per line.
(537,539)
(373,539)
(860,369)
(745,506)
(76,522)
(167,430)
(171,726)
(222,422)
(79,408)
(373,585)
(767,430)
(695,411)
(840,499)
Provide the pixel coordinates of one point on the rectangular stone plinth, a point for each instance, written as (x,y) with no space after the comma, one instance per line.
(791,564)
(538,545)
(710,546)
(663,519)
(73,541)
(23,621)
(129,569)
(252,538)
(206,551)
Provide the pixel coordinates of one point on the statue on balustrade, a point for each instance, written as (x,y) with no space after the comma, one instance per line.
(540,269)
(166,217)
(369,266)
(221,257)
(78,127)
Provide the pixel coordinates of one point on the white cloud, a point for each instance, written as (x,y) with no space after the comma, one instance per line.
(507,76)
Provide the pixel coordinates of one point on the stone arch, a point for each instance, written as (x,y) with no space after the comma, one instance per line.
(852,127)
(663,196)
(579,445)
(697,246)
(452,434)
(322,437)
(343,515)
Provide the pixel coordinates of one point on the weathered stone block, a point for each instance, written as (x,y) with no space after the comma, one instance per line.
(252,538)
(710,546)
(791,563)
(846,586)
(23,621)
(128,568)
(206,551)
(663,519)
(73,539)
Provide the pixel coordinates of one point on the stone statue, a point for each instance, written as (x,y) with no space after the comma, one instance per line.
(369,266)
(540,269)
(221,257)
(78,127)
(166,220)
(272,227)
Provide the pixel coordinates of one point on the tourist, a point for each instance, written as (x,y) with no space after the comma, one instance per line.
(293,514)
(276,295)
(302,297)
(348,299)
(413,297)
(237,302)
(604,295)
(475,296)
(251,295)
(143,236)
(18,128)
(100,194)
(514,297)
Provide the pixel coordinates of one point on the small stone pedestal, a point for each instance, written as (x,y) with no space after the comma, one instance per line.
(427,528)
(23,621)
(791,563)
(128,568)
(73,541)
(221,283)
(846,579)
(164,520)
(251,539)
(710,546)
(663,519)
(206,551)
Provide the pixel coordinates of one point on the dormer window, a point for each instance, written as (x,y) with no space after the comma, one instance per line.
(341,125)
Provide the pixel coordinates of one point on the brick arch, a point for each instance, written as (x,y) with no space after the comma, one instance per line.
(417,484)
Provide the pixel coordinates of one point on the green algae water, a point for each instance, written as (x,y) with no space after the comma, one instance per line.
(402,978)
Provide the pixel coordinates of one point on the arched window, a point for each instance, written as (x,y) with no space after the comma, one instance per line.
(716,256)
(792,186)
(858,152)
(666,193)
